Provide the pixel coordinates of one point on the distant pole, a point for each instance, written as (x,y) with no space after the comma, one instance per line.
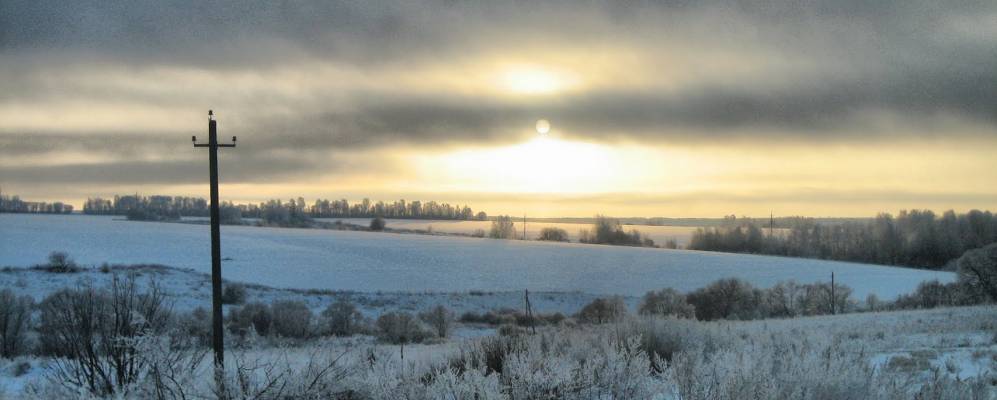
(834,301)
(529,311)
(524,226)
(771,223)
(217,339)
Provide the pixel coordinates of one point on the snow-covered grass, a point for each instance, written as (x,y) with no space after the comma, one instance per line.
(889,355)
(188,289)
(950,352)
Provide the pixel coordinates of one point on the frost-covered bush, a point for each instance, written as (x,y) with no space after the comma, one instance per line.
(377,224)
(234,293)
(603,310)
(472,384)
(666,302)
(342,318)
(195,325)
(978,270)
(256,316)
(93,333)
(15,320)
(401,328)
(439,319)
(661,338)
(291,319)
(502,228)
(60,262)
(729,298)
(553,234)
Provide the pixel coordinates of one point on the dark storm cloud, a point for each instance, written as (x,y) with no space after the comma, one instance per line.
(913,61)
(236,170)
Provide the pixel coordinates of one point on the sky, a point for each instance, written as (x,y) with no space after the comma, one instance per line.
(656,108)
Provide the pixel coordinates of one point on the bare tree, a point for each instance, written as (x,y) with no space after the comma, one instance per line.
(440,319)
(95,332)
(15,319)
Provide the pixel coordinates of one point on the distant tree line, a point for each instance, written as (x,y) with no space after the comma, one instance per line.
(605,230)
(736,299)
(915,238)
(399,209)
(148,207)
(293,212)
(14,204)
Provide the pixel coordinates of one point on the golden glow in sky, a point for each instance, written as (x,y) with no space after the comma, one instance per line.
(622,109)
(534,80)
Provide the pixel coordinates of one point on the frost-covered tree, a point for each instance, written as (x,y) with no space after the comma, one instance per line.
(440,319)
(15,319)
(502,228)
(553,234)
(666,302)
(978,270)
(342,318)
(603,310)
(725,299)
(291,319)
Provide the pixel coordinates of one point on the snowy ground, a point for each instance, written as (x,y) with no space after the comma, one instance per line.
(919,345)
(189,289)
(372,261)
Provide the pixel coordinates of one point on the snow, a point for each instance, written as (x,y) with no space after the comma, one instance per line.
(188,289)
(371,262)
(660,234)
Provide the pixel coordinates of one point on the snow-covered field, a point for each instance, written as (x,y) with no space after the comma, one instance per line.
(371,262)
(188,289)
(660,234)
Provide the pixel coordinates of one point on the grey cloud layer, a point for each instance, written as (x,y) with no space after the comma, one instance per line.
(912,61)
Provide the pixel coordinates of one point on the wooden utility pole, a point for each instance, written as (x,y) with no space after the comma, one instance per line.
(217,340)
(529,311)
(771,223)
(834,301)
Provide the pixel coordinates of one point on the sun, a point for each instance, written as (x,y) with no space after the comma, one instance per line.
(543,126)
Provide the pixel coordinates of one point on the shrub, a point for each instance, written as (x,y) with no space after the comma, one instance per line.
(342,318)
(291,319)
(401,328)
(440,319)
(94,332)
(553,234)
(195,325)
(666,302)
(603,310)
(20,369)
(729,298)
(978,270)
(502,228)
(478,233)
(606,230)
(234,293)
(254,315)
(15,320)
(60,262)
(377,224)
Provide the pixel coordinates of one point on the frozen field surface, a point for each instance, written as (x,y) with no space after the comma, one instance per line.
(660,234)
(366,261)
